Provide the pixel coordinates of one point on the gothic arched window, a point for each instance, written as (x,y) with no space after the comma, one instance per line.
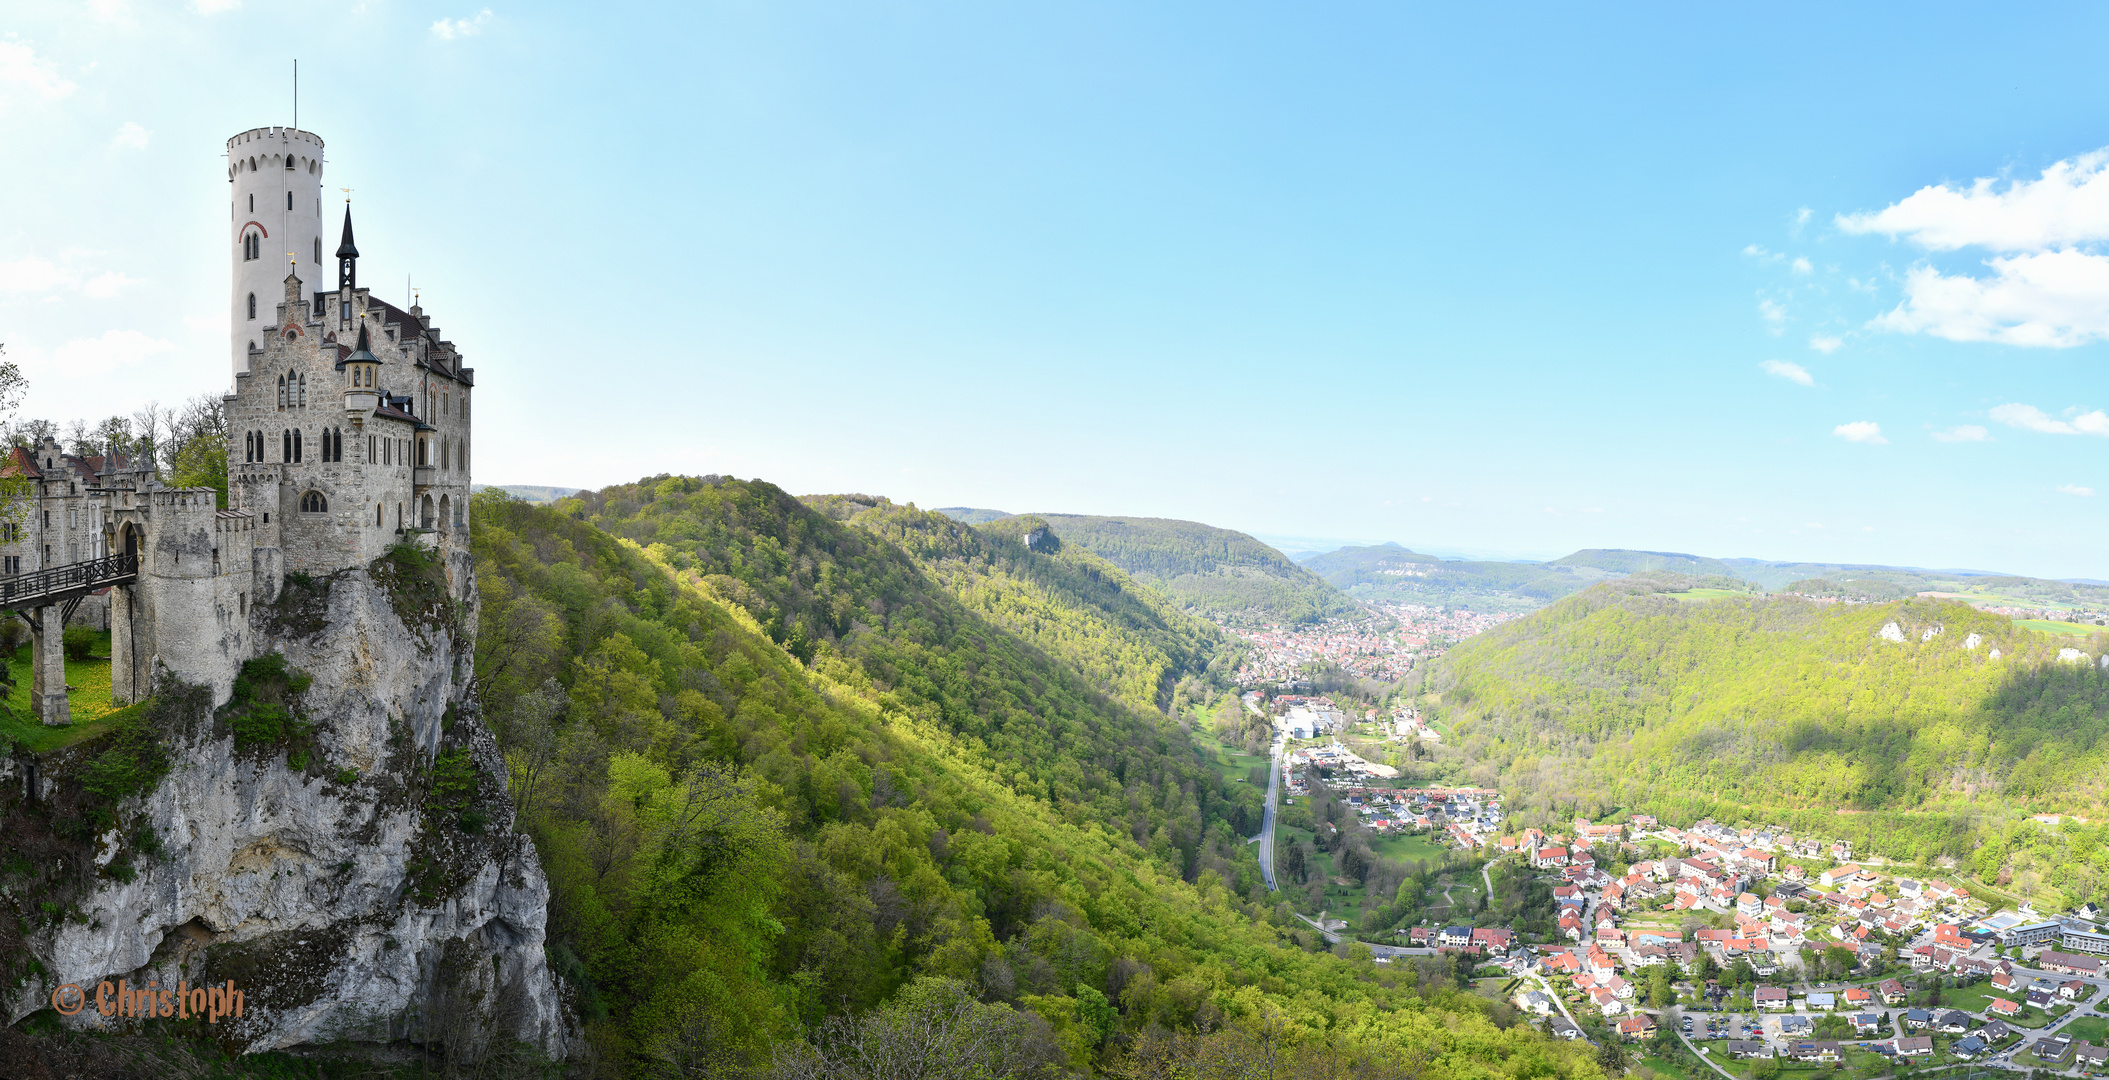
(285,449)
(281,393)
(318,251)
(313,503)
(252,305)
(296,444)
(303,391)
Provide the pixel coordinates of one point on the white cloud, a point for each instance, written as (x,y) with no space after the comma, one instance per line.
(20,67)
(1758,252)
(1774,313)
(2075,489)
(1861,431)
(2030,418)
(1801,217)
(32,274)
(111,11)
(2068,204)
(1788,370)
(106,284)
(1801,266)
(2051,299)
(449,29)
(1963,433)
(131,136)
(2044,287)
(1825,344)
(96,356)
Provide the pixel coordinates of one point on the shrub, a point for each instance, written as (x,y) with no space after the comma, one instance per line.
(264,708)
(80,642)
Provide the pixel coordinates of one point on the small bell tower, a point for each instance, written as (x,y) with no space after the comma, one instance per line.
(362,376)
(347,275)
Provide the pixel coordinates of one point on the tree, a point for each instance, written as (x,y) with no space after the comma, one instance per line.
(1611,1057)
(933,1030)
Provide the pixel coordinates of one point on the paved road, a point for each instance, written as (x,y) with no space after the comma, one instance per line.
(1708,1058)
(1374,950)
(1274,779)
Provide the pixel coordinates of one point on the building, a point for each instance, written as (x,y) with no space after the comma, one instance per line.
(348,432)
(1771,997)
(2034,933)
(2069,964)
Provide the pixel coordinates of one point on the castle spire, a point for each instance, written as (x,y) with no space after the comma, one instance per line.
(347,255)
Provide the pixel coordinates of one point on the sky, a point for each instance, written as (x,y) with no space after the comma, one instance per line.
(1794,282)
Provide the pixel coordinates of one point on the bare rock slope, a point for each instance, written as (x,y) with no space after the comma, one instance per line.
(336,840)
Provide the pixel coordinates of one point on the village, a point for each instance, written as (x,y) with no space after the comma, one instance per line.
(1753,949)
(1385,648)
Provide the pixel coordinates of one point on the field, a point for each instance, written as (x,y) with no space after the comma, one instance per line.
(88,691)
(1407,848)
(1233,764)
(2050,626)
(2091,1028)
(1694,595)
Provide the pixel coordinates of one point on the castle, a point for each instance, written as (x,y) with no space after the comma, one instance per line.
(347,432)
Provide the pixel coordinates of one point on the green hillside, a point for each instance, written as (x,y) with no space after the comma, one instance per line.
(789,762)
(1783,709)
(972,515)
(1391,572)
(1225,574)
(1621,561)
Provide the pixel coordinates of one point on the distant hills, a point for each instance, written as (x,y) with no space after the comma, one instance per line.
(1392,572)
(972,515)
(533,493)
(1219,572)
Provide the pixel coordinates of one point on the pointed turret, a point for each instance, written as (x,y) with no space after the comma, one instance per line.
(362,370)
(347,256)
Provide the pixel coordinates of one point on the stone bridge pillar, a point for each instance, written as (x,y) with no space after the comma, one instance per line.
(47,665)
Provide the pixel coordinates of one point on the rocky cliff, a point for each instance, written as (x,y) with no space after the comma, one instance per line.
(335,839)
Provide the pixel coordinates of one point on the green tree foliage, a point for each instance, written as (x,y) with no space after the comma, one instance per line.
(780,769)
(1781,709)
(1201,567)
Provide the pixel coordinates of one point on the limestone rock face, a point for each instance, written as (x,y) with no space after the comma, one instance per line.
(1892,632)
(345,894)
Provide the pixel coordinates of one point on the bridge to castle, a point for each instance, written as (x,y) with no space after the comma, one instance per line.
(67,584)
(46,598)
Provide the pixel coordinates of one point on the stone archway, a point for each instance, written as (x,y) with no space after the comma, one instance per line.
(425,513)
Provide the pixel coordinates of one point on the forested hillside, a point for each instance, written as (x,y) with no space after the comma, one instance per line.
(1225,574)
(789,764)
(1391,572)
(1921,727)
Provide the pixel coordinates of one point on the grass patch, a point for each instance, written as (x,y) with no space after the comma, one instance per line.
(89,700)
(2091,1028)
(1405,847)
(2052,626)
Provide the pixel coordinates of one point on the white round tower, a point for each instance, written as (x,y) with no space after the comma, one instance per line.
(276,227)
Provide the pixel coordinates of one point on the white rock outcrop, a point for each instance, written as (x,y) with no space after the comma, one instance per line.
(340,896)
(1932,632)
(1892,632)
(1973,641)
(2071,656)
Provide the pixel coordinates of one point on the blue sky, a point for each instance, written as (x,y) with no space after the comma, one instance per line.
(1515,279)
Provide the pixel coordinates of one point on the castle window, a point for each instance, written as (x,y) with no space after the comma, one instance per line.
(285,450)
(252,305)
(377,515)
(252,198)
(289,195)
(318,251)
(314,503)
(370,459)
(303,391)
(281,393)
(296,444)
(444,453)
